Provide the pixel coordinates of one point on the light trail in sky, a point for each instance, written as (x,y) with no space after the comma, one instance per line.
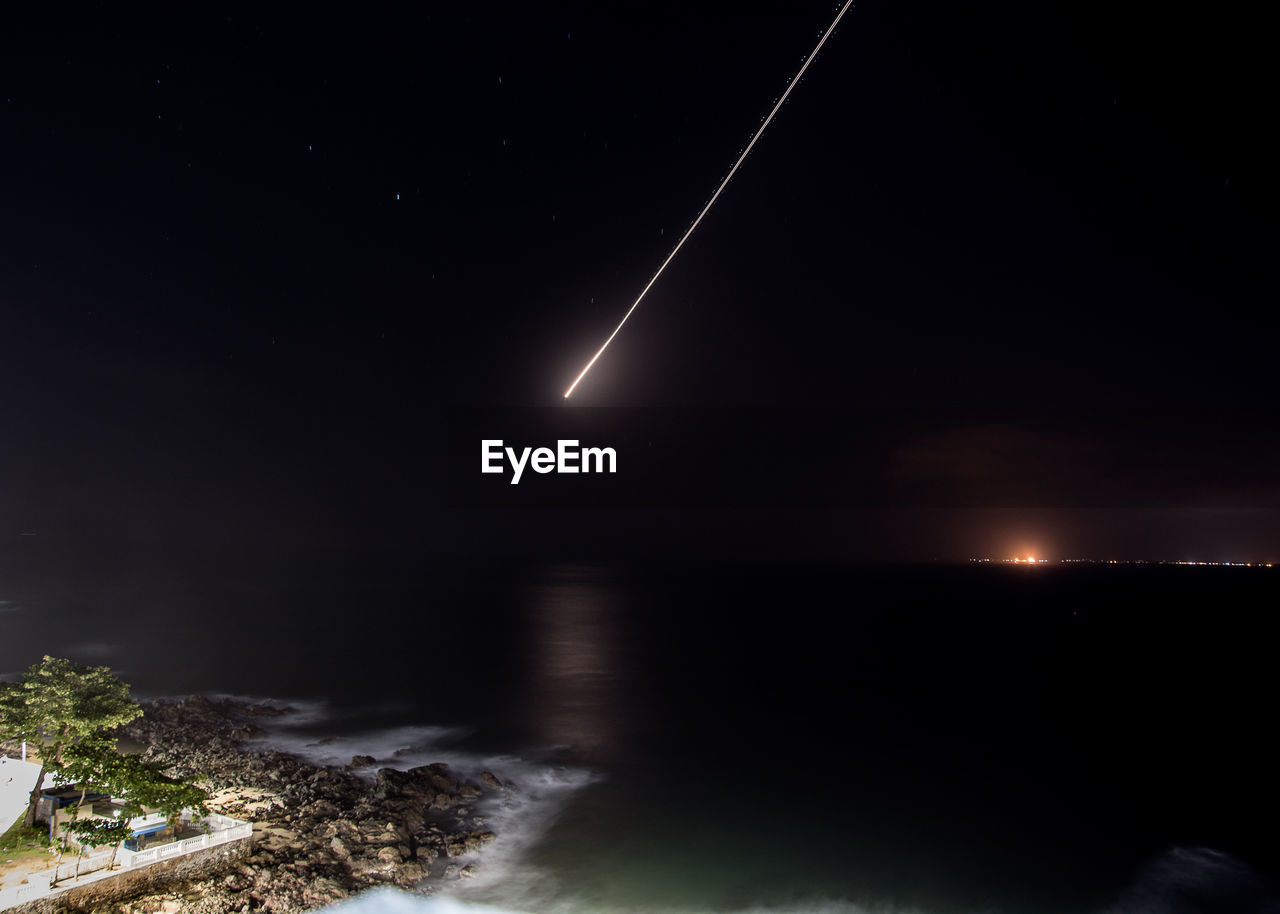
(727,178)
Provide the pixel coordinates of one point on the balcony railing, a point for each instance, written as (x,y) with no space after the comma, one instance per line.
(223,830)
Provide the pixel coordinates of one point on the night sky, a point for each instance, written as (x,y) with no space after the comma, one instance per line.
(250,260)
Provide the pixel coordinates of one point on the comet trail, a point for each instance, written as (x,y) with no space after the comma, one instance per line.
(727,178)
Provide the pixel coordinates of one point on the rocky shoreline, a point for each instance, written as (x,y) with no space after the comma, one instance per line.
(320,833)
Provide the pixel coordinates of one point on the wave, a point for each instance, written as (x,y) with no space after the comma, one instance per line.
(395,901)
(291,713)
(1180,881)
(534,792)
(1191,880)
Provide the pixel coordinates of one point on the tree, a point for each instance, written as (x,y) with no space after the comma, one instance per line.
(146,785)
(87,765)
(135,785)
(58,704)
(95,832)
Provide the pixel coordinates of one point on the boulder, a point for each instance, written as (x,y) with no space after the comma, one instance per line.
(447,784)
(320,833)
(410,873)
(320,809)
(489,779)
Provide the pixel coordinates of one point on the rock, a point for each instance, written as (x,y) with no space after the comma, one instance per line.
(447,784)
(391,783)
(368,869)
(320,833)
(320,809)
(410,873)
(323,891)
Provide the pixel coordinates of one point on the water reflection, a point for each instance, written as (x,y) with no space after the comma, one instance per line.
(576,686)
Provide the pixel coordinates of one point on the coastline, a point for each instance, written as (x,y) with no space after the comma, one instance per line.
(320,833)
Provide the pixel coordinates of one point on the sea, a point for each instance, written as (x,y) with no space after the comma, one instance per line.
(695,736)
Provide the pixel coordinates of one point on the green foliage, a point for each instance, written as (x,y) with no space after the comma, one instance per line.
(94,832)
(90,764)
(59,703)
(139,783)
(135,784)
(71,709)
(170,796)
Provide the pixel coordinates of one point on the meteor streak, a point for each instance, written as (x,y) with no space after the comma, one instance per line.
(746,152)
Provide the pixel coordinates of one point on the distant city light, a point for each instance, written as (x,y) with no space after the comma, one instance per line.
(1032,560)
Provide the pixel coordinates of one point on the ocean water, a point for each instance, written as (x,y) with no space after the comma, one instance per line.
(725,737)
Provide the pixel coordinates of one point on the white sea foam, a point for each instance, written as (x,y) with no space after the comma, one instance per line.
(394,901)
(533,796)
(1186,879)
(293,712)
(402,747)
(570,905)
(507,882)
(1181,881)
(519,819)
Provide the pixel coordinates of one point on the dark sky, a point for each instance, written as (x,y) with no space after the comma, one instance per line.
(249,260)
